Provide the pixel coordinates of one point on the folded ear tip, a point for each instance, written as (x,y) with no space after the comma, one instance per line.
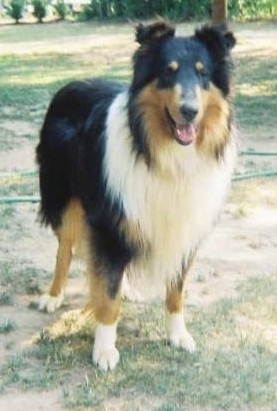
(160,28)
(230,39)
(210,33)
(227,33)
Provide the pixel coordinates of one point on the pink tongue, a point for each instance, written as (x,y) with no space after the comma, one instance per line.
(186,133)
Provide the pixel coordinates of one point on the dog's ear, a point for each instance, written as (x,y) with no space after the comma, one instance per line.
(146,33)
(144,59)
(219,41)
(217,38)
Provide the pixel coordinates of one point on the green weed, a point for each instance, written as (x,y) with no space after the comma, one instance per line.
(7,326)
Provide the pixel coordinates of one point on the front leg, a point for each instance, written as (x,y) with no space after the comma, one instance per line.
(177,332)
(105,354)
(105,306)
(106,266)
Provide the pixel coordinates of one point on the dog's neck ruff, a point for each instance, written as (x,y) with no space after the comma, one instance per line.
(172,209)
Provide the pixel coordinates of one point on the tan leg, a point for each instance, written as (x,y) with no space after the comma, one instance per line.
(67,234)
(176,329)
(175,296)
(53,300)
(105,306)
(63,260)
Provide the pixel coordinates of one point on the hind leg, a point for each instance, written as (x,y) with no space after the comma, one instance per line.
(68,233)
(54,298)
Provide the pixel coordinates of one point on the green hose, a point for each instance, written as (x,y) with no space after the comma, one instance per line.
(21,199)
(257,174)
(18,173)
(252,152)
(238,177)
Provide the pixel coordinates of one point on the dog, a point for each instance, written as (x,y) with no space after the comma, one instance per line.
(138,174)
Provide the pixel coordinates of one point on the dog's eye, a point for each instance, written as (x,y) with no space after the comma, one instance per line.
(201,70)
(199,66)
(173,66)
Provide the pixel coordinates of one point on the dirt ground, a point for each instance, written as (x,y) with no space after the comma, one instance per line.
(242,245)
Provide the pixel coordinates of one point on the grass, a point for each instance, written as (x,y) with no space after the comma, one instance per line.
(235,365)
(256,91)
(6,325)
(18,185)
(20,276)
(29,33)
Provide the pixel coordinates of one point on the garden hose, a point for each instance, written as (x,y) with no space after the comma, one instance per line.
(237,177)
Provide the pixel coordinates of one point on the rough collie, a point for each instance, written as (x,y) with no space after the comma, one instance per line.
(139,174)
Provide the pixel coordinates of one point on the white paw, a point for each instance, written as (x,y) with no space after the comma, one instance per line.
(178,334)
(49,303)
(106,359)
(183,340)
(105,355)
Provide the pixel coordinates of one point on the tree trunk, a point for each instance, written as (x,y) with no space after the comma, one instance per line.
(219,11)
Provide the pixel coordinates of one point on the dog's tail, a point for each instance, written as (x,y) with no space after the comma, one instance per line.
(54,189)
(52,159)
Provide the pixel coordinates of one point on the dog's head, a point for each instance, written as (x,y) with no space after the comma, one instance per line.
(182,77)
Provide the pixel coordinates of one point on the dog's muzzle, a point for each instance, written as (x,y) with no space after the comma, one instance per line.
(184,132)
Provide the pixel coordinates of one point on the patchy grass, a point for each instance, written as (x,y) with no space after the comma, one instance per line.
(21,277)
(256,91)
(28,80)
(234,367)
(28,33)
(16,184)
(256,99)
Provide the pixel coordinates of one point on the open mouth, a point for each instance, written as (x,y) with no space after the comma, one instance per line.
(184,133)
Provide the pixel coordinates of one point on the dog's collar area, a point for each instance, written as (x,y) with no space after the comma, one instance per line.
(184,134)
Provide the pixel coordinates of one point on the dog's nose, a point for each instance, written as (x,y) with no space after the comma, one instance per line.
(188,112)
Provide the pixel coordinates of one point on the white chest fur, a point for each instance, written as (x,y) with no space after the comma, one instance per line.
(172,212)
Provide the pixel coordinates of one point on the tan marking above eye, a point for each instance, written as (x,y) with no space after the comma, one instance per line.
(199,66)
(173,65)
